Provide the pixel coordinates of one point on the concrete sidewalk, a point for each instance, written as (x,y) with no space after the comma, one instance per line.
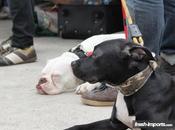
(21,108)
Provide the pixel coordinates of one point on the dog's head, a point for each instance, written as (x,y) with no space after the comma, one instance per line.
(57,75)
(112,61)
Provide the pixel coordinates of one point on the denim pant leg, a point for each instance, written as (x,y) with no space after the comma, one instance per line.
(23,23)
(168,40)
(149,16)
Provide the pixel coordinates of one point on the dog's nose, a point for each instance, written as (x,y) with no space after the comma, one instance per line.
(42,80)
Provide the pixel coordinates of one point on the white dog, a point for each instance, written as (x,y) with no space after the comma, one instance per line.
(57,75)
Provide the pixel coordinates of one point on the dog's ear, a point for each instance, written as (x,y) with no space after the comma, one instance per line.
(136,54)
(139,53)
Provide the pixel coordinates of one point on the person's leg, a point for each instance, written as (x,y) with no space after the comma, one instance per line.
(23,23)
(149,16)
(168,40)
(20,49)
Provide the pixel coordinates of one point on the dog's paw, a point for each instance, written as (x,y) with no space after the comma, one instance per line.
(81,89)
(86,87)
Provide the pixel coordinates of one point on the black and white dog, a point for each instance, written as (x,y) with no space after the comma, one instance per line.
(146,92)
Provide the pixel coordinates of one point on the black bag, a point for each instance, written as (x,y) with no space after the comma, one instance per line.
(83,21)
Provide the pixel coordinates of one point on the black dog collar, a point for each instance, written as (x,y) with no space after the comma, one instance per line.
(79,52)
(136,82)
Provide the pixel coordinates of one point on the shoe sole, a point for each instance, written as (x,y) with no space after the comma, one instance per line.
(96,103)
(30,60)
(24,62)
(27,61)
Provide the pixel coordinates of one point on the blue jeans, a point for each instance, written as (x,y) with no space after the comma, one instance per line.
(23,23)
(156,21)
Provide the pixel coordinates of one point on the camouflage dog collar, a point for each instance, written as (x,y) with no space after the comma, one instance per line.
(136,82)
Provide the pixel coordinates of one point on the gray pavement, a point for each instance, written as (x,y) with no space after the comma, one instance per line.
(21,108)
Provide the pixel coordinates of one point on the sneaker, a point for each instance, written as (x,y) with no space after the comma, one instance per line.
(5,13)
(5,45)
(15,56)
(103,96)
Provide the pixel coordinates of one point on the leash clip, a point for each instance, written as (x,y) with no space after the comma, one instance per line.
(134,30)
(135,34)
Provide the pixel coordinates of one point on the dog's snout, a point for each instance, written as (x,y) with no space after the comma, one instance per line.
(42,80)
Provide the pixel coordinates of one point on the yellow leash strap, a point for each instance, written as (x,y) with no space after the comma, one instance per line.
(133,28)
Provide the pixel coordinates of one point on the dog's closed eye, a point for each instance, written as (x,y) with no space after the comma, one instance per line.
(55,79)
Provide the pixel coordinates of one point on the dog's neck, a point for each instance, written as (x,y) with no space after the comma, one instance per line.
(137,81)
(127,73)
(140,67)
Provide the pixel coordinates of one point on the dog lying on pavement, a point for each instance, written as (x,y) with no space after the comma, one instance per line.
(146,92)
(57,76)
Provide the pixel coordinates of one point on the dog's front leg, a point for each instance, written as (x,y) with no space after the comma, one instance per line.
(87,87)
(101,125)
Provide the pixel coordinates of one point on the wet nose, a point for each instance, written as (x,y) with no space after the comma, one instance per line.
(42,80)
